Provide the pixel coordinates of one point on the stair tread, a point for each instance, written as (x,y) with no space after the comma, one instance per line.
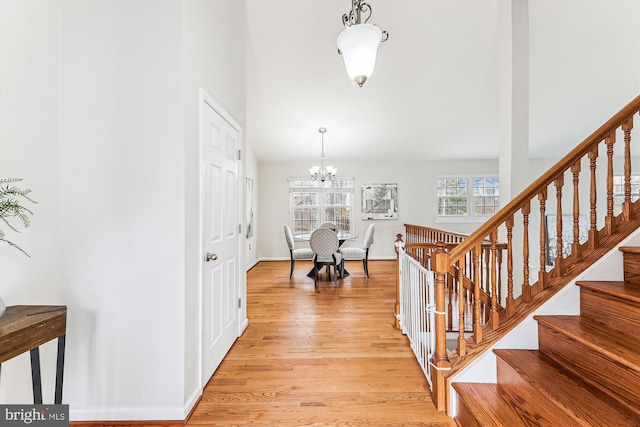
(617,345)
(564,389)
(621,289)
(630,249)
(492,406)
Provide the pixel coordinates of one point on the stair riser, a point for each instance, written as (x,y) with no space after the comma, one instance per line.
(593,367)
(613,312)
(465,418)
(632,267)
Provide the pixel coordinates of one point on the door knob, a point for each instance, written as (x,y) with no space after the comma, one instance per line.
(210,257)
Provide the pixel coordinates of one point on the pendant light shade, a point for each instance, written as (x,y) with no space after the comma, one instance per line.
(359,47)
(358,42)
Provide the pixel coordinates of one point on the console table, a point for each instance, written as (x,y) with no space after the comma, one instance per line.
(26,327)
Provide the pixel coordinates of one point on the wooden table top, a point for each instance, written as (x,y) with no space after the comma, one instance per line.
(24,327)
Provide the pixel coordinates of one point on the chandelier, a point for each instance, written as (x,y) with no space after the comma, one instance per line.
(358,42)
(322,172)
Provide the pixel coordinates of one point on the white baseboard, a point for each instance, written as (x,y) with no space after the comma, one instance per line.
(191,402)
(145,413)
(277,258)
(244,325)
(253,264)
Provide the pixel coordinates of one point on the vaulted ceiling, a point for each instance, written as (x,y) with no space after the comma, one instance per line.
(435,91)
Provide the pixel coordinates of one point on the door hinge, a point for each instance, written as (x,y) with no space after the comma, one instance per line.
(239,155)
(239,228)
(239,302)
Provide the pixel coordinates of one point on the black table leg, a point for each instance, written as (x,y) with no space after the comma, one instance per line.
(60,369)
(312,272)
(35,376)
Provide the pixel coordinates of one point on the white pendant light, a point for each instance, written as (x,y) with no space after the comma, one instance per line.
(358,43)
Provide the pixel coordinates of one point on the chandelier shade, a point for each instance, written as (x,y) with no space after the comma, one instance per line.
(359,47)
(322,172)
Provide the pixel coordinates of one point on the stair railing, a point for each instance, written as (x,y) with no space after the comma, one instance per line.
(572,251)
(422,242)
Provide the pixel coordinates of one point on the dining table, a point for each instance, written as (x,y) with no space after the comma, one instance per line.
(343,236)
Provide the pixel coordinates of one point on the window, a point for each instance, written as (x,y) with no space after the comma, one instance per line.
(315,202)
(618,191)
(467,197)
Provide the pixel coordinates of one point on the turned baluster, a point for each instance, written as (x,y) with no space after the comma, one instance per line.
(526,288)
(486,284)
(608,220)
(575,247)
(499,272)
(559,260)
(450,295)
(542,274)
(461,307)
(470,275)
(593,214)
(626,205)
(510,300)
(477,327)
(495,315)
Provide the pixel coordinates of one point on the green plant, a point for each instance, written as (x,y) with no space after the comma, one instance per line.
(11,208)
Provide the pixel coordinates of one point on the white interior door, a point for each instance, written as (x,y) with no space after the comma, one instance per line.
(219,142)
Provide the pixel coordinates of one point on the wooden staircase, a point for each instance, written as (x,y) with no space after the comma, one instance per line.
(585,373)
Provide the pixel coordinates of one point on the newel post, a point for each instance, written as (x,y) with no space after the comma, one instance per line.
(397,244)
(440,361)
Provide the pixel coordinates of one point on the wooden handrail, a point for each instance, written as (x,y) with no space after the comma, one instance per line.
(548,177)
(447,236)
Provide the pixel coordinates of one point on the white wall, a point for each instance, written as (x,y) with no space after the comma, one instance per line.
(99,114)
(213,36)
(122,153)
(416,199)
(29,148)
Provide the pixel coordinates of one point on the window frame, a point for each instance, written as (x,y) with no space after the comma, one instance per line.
(321,189)
(470,216)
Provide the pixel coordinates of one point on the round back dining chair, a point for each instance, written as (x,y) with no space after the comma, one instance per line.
(361,253)
(324,243)
(300,253)
(329,225)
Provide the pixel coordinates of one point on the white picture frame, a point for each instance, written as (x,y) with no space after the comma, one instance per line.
(379,201)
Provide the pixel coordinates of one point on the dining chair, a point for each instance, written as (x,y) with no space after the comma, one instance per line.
(324,243)
(329,225)
(300,253)
(360,253)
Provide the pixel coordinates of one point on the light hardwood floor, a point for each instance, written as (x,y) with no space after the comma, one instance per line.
(325,357)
